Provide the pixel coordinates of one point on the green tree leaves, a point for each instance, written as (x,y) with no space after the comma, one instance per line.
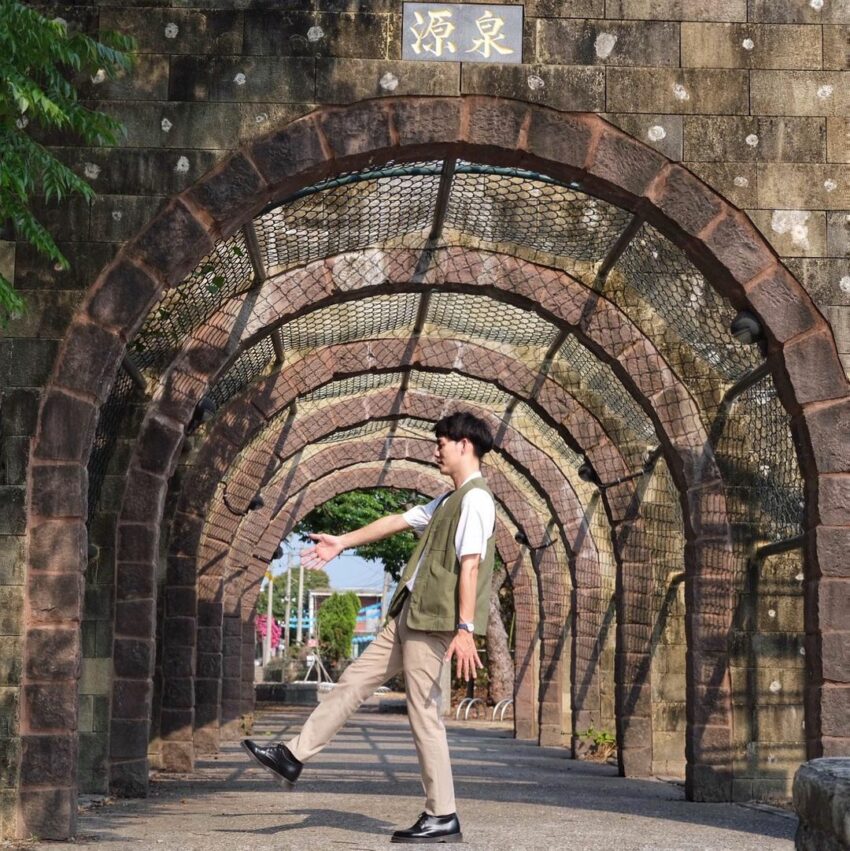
(337,618)
(38,59)
(357,508)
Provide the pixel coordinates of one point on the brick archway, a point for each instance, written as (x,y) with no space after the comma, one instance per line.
(716,236)
(223,528)
(519,567)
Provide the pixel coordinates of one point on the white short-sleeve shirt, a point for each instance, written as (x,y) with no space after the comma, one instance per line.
(476,524)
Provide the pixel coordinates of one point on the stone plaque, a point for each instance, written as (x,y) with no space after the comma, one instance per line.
(461,32)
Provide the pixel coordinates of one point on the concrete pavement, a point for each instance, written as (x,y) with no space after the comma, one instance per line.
(511,795)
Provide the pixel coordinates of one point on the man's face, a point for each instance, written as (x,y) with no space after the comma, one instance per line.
(448,453)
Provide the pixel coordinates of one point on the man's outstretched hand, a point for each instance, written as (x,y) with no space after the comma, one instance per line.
(467,660)
(326,548)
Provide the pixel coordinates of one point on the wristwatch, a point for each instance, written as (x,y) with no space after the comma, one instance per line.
(469,626)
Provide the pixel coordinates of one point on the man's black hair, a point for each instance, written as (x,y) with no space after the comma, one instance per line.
(460,425)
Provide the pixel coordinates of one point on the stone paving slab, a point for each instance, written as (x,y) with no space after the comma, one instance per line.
(511,795)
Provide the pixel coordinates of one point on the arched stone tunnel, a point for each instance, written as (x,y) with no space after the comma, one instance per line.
(338,285)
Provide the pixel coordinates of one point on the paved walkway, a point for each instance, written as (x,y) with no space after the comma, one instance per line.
(511,795)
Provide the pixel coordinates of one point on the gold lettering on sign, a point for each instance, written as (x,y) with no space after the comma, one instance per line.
(433,35)
(489,28)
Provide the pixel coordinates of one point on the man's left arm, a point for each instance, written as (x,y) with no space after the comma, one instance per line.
(462,647)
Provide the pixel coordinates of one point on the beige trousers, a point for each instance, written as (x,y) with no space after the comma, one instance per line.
(420,655)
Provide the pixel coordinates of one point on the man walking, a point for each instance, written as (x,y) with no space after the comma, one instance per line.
(442,599)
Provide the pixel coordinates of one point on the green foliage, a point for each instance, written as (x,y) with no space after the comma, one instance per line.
(313,580)
(337,618)
(603,744)
(38,58)
(357,508)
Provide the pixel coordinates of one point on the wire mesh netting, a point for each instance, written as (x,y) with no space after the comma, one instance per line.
(484,318)
(223,273)
(505,210)
(517,207)
(759,464)
(106,434)
(363,319)
(685,313)
(252,363)
(369,208)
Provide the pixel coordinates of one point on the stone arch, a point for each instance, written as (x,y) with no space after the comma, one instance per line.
(520,572)
(716,236)
(584,567)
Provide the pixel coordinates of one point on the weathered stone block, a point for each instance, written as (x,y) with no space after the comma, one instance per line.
(123,297)
(147,81)
(297,33)
(753,139)
(117,218)
(790,11)
(128,739)
(799,93)
(58,491)
(20,412)
(677,91)
(51,706)
(241,79)
(129,779)
(574,88)
(662,132)
(10,659)
(792,233)
(132,658)
(836,47)
(679,10)
(53,654)
(173,243)
(811,186)
(27,363)
(565,8)
(55,598)
(12,510)
(750,46)
(588,42)
(348,80)
(231,193)
(48,760)
(48,813)
(12,560)
(135,618)
(131,699)
(170,31)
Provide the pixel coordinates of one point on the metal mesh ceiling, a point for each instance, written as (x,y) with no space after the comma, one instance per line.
(503,210)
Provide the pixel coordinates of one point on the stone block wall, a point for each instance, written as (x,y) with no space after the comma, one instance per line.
(752,95)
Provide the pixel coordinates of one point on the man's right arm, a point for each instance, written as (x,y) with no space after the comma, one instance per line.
(328,547)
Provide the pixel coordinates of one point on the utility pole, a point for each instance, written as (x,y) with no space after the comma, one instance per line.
(385,594)
(288,602)
(267,643)
(311,615)
(299,632)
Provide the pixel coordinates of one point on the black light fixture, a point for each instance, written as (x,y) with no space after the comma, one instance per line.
(522,539)
(748,331)
(256,502)
(204,412)
(277,553)
(587,474)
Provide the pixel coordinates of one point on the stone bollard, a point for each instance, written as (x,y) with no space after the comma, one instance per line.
(822,801)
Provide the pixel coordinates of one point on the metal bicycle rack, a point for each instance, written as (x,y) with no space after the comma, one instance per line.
(465,705)
(501,707)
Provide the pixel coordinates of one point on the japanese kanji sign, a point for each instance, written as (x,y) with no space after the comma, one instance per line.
(462,32)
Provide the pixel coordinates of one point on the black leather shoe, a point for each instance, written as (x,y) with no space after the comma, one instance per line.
(275,758)
(431,829)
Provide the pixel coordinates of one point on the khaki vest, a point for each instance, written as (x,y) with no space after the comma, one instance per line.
(434,603)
